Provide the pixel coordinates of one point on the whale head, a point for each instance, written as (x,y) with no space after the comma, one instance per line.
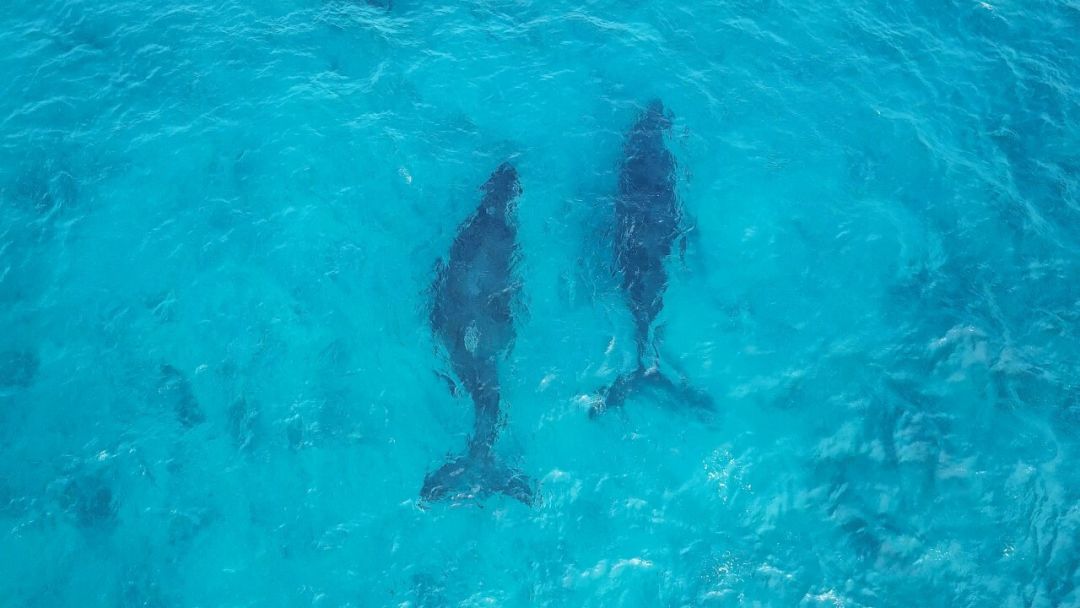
(655,117)
(501,189)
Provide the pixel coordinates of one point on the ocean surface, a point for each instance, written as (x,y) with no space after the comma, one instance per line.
(219,224)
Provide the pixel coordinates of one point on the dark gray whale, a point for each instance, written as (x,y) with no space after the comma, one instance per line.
(471,315)
(648,222)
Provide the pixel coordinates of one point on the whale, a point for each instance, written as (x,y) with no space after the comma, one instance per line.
(472,317)
(649,220)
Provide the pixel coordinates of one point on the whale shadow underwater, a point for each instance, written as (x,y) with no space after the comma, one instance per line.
(472,316)
(649,221)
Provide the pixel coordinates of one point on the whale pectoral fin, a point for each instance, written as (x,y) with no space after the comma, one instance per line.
(455,390)
(690,257)
(439,270)
(436,314)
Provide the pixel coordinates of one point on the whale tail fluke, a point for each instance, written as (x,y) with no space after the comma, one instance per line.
(641,379)
(474,475)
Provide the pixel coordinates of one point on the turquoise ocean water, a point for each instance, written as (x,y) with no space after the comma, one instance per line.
(219,222)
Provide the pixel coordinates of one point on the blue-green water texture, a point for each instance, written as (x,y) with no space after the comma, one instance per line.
(219,228)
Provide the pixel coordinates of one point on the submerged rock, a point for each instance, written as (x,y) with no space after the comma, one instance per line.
(18,368)
(175,389)
(89,500)
(46,185)
(243,417)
